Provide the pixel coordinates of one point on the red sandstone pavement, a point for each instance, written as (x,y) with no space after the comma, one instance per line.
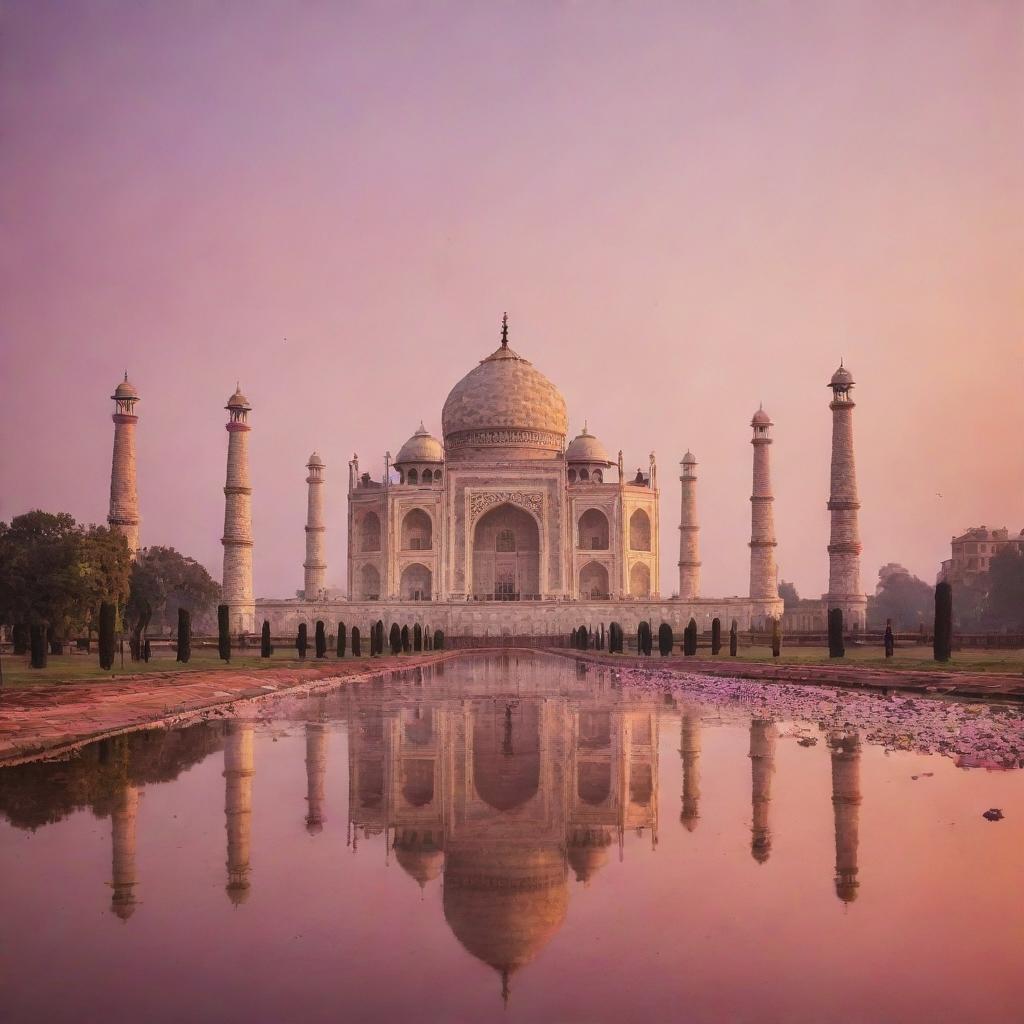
(958,684)
(54,719)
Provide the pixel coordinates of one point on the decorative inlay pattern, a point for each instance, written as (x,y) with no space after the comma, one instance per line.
(504,438)
(483,501)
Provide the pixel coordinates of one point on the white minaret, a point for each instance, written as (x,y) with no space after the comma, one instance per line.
(689,531)
(237,587)
(315,565)
(764,581)
(844,590)
(124,496)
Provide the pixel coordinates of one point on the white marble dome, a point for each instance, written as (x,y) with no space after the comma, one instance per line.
(505,401)
(586,448)
(421,447)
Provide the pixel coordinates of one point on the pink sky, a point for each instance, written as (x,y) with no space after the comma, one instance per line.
(685,208)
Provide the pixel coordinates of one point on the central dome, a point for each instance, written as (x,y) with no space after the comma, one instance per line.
(505,402)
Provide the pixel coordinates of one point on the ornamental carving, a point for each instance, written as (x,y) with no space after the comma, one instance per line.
(503,438)
(484,501)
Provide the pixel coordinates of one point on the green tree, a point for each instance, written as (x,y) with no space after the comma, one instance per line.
(787,591)
(417,637)
(55,573)
(836,643)
(302,640)
(776,637)
(184,635)
(265,640)
(357,650)
(716,636)
(438,640)
(162,579)
(395,638)
(223,633)
(1004,608)
(341,639)
(734,640)
(903,598)
(320,639)
(665,639)
(943,638)
(107,625)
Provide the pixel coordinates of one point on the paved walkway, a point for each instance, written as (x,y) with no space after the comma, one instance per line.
(958,684)
(50,719)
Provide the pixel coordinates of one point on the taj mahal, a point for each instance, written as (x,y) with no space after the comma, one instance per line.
(504,527)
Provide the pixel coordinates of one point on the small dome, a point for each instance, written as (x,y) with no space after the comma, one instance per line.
(422,863)
(841,377)
(689,459)
(238,400)
(125,389)
(761,418)
(586,448)
(315,460)
(421,447)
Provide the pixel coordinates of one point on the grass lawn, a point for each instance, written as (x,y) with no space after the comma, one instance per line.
(918,658)
(76,668)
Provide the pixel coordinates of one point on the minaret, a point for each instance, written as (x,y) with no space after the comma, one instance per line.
(689,531)
(238,771)
(316,771)
(844,590)
(689,748)
(315,564)
(122,835)
(845,748)
(124,495)
(762,766)
(764,582)
(237,540)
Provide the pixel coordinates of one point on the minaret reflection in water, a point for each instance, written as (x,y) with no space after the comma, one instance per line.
(122,836)
(845,750)
(689,751)
(762,767)
(238,773)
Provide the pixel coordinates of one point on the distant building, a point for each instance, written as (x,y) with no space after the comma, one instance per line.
(972,553)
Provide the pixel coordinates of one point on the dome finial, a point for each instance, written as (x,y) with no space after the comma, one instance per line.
(504,330)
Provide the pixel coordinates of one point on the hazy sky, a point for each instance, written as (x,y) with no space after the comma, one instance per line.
(686,209)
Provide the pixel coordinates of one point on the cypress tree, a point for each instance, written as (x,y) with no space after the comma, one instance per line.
(716,636)
(302,640)
(836,646)
(583,634)
(417,637)
(665,639)
(943,640)
(19,638)
(890,643)
(108,617)
(265,640)
(223,633)
(147,650)
(395,639)
(644,641)
(734,640)
(690,638)
(37,646)
(438,640)
(184,635)
(776,637)
(320,639)
(357,650)
(573,639)
(341,639)
(406,641)
(380,636)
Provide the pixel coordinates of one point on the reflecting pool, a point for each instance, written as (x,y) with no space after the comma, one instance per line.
(522,838)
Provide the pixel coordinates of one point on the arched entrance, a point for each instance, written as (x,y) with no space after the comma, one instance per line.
(506,555)
(640,580)
(593,582)
(416,583)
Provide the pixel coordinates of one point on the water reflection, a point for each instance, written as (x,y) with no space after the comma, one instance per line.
(502,794)
(497,785)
